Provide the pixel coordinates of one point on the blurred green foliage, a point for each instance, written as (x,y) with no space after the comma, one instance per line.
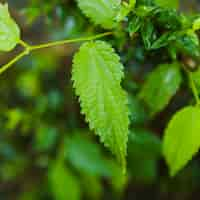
(46,149)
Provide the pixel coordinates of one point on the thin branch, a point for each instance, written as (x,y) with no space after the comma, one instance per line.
(24,44)
(62,42)
(13,61)
(194,89)
(28,48)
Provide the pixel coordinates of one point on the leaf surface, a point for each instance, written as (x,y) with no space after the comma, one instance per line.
(160,86)
(101,12)
(168,3)
(9,30)
(64,184)
(182,138)
(97,74)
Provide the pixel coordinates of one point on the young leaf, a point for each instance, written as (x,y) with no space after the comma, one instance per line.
(97,74)
(101,12)
(9,31)
(164,40)
(148,33)
(160,86)
(134,25)
(182,139)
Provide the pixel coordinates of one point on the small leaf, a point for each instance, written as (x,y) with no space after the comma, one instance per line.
(196,24)
(15,116)
(45,138)
(138,114)
(132,3)
(144,143)
(160,86)
(148,34)
(134,25)
(196,77)
(182,139)
(163,40)
(86,156)
(101,12)
(97,74)
(144,150)
(188,44)
(64,185)
(144,11)
(169,19)
(9,31)
(168,3)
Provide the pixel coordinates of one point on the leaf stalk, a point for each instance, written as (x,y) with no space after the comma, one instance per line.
(29,48)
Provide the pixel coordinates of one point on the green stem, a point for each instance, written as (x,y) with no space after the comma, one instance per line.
(28,48)
(194,89)
(13,61)
(24,44)
(51,44)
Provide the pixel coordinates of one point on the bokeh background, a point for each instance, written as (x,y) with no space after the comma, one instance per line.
(46,149)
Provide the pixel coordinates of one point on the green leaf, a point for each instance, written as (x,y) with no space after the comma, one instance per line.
(160,86)
(143,143)
(63,184)
(144,150)
(125,9)
(143,170)
(148,33)
(97,74)
(86,156)
(143,11)
(14,117)
(123,12)
(196,24)
(168,3)
(92,187)
(169,19)
(138,114)
(134,25)
(188,44)
(146,3)
(196,77)
(101,12)
(45,138)
(164,40)
(9,31)
(182,139)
